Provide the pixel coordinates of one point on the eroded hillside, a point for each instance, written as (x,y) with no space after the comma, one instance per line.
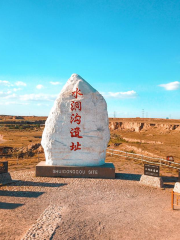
(144,124)
(153,137)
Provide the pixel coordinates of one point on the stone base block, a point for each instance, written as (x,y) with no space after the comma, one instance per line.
(5,178)
(151,181)
(104,171)
(177,187)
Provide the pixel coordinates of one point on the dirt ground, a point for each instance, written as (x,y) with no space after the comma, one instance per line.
(118,208)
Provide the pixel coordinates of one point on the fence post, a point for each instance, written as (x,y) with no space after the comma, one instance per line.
(17,160)
(172,200)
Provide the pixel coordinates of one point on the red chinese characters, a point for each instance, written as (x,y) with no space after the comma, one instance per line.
(76,93)
(75,106)
(75,147)
(75,132)
(76,119)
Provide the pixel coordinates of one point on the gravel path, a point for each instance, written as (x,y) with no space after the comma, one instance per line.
(46,224)
(85,209)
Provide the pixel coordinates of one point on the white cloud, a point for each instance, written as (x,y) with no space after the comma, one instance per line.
(19,83)
(8,84)
(11,96)
(13,102)
(55,83)
(3,94)
(171,86)
(42,104)
(128,94)
(5,83)
(39,86)
(16,89)
(38,97)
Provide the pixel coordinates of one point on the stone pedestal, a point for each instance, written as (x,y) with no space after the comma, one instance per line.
(151,181)
(5,178)
(106,170)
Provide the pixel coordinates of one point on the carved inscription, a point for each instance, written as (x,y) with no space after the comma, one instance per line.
(75,171)
(75,132)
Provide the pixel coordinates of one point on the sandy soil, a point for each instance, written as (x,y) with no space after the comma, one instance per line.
(89,208)
(1,139)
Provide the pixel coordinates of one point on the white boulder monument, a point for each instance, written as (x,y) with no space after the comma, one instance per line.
(76,133)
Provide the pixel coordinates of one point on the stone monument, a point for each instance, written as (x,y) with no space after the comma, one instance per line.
(5,176)
(76,134)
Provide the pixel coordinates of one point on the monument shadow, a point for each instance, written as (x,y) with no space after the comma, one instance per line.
(128,176)
(168,181)
(37,184)
(4,205)
(28,194)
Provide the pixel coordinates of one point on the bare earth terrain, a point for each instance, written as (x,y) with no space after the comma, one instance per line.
(90,208)
(62,208)
(154,137)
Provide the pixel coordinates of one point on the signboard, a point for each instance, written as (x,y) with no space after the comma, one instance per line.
(104,171)
(3,167)
(170,158)
(151,170)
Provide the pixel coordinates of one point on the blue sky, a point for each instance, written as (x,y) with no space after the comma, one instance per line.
(129,50)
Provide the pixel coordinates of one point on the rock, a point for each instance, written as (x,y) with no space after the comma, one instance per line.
(5,178)
(151,181)
(76,132)
(45,225)
(177,187)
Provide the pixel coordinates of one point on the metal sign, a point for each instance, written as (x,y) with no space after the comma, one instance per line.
(170,158)
(151,170)
(3,167)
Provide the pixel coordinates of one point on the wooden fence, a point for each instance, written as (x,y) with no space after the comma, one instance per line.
(143,158)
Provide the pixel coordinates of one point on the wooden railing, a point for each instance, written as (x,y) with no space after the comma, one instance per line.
(143,158)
